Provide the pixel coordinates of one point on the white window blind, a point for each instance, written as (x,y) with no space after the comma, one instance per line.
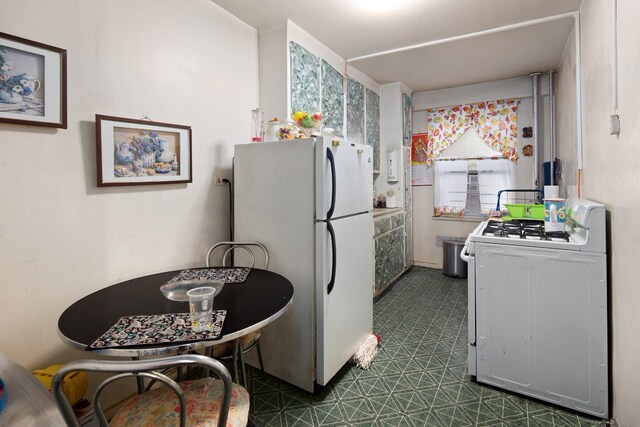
(470,187)
(450,186)
(493,176)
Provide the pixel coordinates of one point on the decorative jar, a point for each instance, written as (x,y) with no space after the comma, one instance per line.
(148,159)
(165,154)
(124,155)
(286,131)
(271,133)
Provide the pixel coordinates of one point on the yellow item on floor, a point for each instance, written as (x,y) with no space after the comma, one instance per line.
(74,385)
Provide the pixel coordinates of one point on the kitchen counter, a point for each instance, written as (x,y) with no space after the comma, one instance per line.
(377,212)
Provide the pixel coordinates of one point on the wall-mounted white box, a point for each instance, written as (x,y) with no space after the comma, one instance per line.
(393,165)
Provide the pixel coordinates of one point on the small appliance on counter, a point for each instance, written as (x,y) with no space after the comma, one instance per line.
(391,201)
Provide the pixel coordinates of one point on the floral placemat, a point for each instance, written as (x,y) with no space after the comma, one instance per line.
(156,329)
(227,275)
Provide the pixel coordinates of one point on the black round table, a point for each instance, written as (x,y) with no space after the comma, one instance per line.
(260,299)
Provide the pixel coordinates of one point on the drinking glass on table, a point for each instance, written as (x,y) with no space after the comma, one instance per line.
(200,308)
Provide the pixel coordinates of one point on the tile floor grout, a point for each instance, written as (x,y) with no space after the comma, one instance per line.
(419,377)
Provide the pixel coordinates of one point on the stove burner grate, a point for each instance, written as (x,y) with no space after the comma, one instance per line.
(523,229)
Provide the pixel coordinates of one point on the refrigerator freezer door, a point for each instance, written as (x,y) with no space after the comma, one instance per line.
(345,314)
(344,174)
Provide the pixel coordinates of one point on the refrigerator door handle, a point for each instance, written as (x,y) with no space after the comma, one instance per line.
(332,233)
(332,163)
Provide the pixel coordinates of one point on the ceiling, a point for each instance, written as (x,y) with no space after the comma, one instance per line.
(358,28)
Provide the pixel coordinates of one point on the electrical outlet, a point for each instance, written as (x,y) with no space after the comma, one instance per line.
(218,180)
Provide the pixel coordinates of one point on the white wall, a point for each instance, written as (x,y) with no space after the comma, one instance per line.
(274,66)
(425,228)
(610,176)
(61,237)
(566,131)
(391,133)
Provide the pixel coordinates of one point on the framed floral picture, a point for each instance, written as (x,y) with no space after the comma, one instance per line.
(137,152)
(33,83)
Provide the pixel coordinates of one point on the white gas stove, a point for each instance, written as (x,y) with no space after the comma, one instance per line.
(585,230)
(538,308)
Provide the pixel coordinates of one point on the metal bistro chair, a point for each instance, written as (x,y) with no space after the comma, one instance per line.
(236,350)
(211,401)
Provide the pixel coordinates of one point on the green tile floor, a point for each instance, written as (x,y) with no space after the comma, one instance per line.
(418,378)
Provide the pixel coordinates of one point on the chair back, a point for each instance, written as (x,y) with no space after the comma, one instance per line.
(249,247)
(140,368)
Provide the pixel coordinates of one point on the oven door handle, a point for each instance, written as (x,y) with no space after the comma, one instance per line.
(463,254)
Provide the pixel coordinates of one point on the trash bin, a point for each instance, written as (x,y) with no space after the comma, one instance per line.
(452,264)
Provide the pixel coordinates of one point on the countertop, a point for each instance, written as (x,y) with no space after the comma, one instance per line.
(385,211)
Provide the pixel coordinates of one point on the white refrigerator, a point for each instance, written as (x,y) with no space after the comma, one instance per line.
(309,201)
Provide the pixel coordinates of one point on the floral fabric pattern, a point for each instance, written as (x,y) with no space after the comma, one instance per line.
(157,329)
(227,275)
(495,121)
(160,407)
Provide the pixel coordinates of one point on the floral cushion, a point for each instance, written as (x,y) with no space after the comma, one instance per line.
(160,407)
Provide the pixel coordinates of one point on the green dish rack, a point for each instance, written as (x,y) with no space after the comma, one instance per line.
(525,211)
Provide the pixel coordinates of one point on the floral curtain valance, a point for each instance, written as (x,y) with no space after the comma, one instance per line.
(495,121)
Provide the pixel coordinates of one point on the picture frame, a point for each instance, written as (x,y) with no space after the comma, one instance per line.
(33,83)
(139,152)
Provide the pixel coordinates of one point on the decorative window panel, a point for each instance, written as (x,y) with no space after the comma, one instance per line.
(373,125)
(494,121)
(305,79)
(355,111)
(332,99)
(406,131)
(408,238)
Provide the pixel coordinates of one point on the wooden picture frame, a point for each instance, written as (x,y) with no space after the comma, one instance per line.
(138,152)
(33,83)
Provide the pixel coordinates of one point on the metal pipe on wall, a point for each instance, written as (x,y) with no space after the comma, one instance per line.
(535,77)
(552,125)
(580,133)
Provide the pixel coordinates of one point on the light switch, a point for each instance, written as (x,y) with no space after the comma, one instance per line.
(614,124)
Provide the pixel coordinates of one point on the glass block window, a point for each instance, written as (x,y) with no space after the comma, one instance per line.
(305,79)
(406,133)
(332,99)
(355,111)
(373,125)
